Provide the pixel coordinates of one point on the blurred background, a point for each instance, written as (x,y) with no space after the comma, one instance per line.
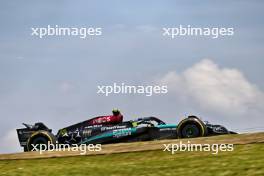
(54,79)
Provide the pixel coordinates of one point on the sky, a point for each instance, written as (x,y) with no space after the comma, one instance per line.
(54,79)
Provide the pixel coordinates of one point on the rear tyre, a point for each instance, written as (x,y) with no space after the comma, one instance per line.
(25,149)
(40,140)
(191,127)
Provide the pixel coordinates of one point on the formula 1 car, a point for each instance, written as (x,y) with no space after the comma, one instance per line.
(111,129)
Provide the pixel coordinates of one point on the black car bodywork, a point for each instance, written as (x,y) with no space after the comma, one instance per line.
(142,129)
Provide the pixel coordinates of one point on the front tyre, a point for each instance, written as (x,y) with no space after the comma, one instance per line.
(191,127)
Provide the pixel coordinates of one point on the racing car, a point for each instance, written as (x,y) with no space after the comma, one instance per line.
(112,129)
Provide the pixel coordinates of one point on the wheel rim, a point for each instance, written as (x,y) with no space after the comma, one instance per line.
(40,140)
(190,131)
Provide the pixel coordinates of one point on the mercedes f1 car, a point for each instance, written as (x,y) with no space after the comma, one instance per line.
(112,129)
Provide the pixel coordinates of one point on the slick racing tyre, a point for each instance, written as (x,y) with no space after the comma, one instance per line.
(191,127)
(38,139)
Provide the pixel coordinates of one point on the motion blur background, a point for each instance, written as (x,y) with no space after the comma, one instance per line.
(54,80)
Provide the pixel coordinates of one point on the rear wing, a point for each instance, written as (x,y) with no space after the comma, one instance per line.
(25,133)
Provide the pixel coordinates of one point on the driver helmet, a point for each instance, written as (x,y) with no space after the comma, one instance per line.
(115,112)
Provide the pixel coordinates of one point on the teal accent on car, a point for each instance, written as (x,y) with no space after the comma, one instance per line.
(108,134)
(167,126)
(104,135)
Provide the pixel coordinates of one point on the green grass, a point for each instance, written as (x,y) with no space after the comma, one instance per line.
(244,160)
